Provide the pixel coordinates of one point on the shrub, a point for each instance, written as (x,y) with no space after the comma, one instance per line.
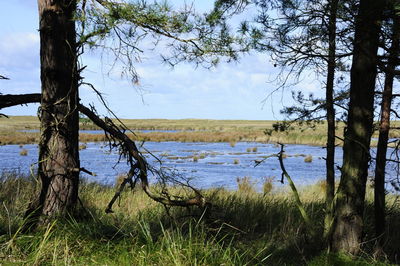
(23,152)
(236,161)
(248,150)
(255,149)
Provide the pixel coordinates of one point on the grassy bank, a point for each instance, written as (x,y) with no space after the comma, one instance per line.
(243,228)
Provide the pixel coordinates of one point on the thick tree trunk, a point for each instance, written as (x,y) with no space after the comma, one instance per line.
(58,167)
(330,117)
(379,188)
(347,232)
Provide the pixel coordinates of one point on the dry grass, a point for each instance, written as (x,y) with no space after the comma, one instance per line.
(308,159)
(188,130)
(23,152)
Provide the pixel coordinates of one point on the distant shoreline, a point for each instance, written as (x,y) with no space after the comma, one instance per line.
(185,130)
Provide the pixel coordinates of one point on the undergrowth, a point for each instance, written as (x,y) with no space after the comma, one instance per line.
(241,228)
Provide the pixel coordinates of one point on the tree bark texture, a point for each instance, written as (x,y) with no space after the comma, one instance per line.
(58,147)
(347,232)
(330,115)
(379,188)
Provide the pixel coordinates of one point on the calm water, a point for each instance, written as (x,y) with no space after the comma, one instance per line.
(220,167)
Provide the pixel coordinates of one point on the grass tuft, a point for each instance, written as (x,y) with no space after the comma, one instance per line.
(82,147)
(267,185)
(23,152)
(308,159)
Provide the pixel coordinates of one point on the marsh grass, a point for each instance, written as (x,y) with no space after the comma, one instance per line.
(308,159)
(188,130)
(267,185)
(242,228)
(82,147)
(245,185)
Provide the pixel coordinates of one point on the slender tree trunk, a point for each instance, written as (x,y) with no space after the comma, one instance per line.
(330,117)
(58,167)
(379,188)
(347,232)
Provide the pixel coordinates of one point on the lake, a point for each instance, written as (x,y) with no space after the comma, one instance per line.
(218,164)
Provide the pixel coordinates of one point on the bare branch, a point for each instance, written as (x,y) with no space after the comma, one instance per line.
(9,100)
(138,165)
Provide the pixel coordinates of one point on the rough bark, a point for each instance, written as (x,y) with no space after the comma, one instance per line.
(347,232)
(379,188)
(58,147)
(330,115)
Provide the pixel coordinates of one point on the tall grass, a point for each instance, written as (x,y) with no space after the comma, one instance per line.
(241,228)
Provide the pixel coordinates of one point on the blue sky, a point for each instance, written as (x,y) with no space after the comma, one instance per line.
(230,91)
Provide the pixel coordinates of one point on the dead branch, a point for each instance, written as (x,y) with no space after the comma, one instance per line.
(299,204)
(8,100)
(128,149)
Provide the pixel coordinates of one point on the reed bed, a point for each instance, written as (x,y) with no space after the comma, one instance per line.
(243,228)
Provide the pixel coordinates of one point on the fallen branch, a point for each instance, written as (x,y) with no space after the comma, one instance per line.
(128,149)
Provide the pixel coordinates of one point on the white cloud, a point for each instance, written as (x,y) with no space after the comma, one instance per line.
(19,50)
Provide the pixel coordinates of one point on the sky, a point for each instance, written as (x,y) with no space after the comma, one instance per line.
(229,91)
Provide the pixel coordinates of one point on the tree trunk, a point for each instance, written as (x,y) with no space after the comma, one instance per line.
(347,232)
(379,188)
(58,167)
(330,117)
